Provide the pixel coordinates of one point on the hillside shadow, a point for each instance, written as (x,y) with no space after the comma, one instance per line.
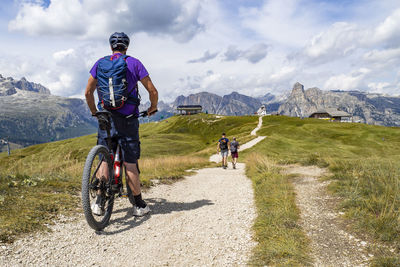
(157,206)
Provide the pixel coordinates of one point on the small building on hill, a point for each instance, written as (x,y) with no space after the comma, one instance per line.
(189,109)
(262,111)
(332,114)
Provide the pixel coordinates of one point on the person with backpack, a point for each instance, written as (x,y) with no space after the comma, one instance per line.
(223,145)
(234,148)
(115,77)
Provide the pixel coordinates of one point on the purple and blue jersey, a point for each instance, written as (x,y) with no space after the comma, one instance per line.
(136,71)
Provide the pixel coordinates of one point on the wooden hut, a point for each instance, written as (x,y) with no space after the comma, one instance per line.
(332,114)
(189,109)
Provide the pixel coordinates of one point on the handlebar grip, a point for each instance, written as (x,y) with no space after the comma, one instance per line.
(102,112)
(145,113)
(153,112)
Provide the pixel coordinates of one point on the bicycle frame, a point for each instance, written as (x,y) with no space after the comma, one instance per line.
(117,163)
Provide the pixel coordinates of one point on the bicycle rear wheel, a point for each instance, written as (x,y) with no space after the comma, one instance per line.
(94,187)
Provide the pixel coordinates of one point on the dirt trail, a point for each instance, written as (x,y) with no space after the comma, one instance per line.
(203,220)
(260,121)
(331,245)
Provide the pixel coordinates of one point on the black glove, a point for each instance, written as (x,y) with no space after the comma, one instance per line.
(104,121)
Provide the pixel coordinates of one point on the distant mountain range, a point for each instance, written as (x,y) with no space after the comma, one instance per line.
(29,114)
(232,104)
(375,109)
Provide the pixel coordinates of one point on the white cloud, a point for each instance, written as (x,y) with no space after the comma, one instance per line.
(347,82)
(241,46)
(206,57)
(284,73)
(60,55)
(287,23)
(97,18)
(61,17)
(379,87)
(65,75)
(254,54)
(382,60)
(387,32)
(340,40)
(343,39)
(382,55)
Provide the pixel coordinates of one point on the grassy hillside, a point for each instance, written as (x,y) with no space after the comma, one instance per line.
(41,181)
(54,118)
(364,162)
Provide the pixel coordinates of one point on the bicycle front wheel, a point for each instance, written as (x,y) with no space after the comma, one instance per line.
(97,203)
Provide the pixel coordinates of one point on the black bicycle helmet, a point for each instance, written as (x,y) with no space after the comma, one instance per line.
(119,39)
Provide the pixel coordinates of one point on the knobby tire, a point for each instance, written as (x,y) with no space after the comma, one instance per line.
(86,182)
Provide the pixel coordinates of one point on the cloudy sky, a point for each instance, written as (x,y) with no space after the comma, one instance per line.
(252,47)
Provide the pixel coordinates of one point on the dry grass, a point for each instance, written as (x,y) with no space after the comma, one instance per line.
(281,241)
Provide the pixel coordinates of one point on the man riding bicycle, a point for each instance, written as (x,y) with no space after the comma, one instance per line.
(124,118)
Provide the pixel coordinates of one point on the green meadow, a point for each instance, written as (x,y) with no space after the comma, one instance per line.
(40,182)
(364,164)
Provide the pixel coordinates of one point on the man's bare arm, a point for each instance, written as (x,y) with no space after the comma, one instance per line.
(90,88)
(153,93)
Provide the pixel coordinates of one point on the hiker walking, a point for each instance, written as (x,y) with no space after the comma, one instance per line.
(223,145)
(234,147)
(115,77)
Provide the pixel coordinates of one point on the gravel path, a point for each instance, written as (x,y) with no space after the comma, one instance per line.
(331,245)
(260,121)
(203,220)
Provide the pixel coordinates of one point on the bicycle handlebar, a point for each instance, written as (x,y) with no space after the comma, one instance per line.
(108,113)
(145,113)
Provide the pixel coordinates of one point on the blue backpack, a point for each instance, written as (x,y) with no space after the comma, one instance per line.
(112,86)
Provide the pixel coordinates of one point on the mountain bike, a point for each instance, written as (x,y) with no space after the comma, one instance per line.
(102,178)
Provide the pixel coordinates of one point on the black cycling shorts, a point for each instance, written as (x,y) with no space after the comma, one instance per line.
(125,132)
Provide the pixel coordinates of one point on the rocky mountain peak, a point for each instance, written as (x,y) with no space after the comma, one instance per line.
(298,92)
(268,97)
(378,110)
(298,88)
(314,90)
(54,117)
(9,86)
